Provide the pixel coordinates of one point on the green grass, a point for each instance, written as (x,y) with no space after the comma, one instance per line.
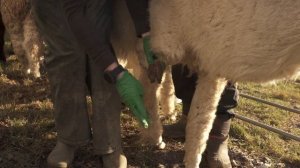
(261,141)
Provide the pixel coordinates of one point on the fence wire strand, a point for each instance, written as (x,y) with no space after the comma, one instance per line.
(265,126)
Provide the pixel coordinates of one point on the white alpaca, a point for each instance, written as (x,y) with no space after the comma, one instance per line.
(26,41)
(237,40)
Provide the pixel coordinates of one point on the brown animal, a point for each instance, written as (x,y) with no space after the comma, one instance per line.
(27,44)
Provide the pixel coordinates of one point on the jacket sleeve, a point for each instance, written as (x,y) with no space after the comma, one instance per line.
(138,10)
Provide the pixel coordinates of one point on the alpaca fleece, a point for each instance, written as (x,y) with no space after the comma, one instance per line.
(237,40)
(27,44)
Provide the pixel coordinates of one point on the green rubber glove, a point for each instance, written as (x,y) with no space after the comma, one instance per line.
(147,49)
(131,92)
(156,67)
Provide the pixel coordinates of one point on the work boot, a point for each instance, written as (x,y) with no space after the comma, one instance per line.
(114,160)
(61,156)
(216,154)
(176,130)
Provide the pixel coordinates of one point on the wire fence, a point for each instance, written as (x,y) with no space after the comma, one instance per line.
(265,126)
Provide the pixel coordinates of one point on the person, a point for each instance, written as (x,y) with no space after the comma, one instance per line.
(217,150)
(79,56)
(217,145)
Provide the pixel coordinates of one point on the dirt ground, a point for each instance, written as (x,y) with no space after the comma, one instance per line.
(27,133)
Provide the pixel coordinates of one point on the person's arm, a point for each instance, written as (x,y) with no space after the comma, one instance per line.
(138,10)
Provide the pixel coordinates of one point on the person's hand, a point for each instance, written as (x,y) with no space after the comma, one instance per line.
(156,71)
(156,67)
(131,92)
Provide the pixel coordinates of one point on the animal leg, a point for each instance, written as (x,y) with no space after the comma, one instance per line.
(201,117)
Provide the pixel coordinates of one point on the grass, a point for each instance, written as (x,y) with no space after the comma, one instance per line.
(25,118)
(27,129)
(261,141)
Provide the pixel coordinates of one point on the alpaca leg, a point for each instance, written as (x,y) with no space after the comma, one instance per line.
(153,134)
(33,45)
(15,32)
(201,117)
(167,95)
(14,28)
